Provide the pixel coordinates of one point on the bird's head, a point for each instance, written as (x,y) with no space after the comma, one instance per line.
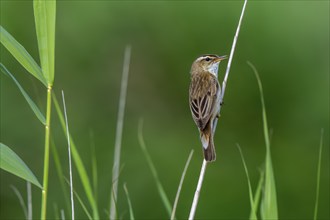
(207,63)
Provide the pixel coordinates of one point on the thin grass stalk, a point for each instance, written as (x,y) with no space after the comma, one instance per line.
(318,177)
(198,190)
(29,201)
(119,132)
(55,210)
(20,199)
(79,164)
(62,214)
(83,206)
(131,214)
(233,47)
(201,176)
(180,185)
(46,156)
(69,153)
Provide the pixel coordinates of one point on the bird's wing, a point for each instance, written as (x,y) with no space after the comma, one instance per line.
(202,99)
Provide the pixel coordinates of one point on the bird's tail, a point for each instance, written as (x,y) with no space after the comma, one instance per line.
(208,145)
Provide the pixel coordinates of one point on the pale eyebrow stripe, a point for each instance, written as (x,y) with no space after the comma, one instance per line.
(212,56)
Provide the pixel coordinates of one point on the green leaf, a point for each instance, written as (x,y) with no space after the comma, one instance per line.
(94,164)
(253,214)
(318,178)
(83,205)
(44,14)
(21,55)
(12,163)
(269,201)
(257,194)
(79,164)
(33,106)
(152,167)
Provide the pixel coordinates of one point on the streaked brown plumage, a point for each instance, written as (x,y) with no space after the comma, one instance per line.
(204,99)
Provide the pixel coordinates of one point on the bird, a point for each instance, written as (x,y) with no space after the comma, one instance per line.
(205,99)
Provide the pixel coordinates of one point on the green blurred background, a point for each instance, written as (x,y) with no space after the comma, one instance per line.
(287,41)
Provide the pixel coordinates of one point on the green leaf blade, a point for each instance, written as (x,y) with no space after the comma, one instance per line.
(12,163)
(269,208)
(51,18)
(257,194)
(269,202)
(318,178)
(44,13)
(253,214)
(21,55)
(152,167)
(58,166)
(33,106)
(89,216)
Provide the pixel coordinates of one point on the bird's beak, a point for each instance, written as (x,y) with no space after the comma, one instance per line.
(218,59)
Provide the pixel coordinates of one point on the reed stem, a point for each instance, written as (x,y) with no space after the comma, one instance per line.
(46,156)
(224,83)
(119,133)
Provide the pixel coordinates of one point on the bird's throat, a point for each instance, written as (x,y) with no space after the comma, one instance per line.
(213,69)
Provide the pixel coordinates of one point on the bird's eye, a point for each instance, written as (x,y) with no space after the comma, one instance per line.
(207,58)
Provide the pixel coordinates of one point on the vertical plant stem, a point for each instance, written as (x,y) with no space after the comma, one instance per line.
(119,132)
(201,176)
(198,190)
(46,156)
(233,47)
(62,214)
(69,152)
